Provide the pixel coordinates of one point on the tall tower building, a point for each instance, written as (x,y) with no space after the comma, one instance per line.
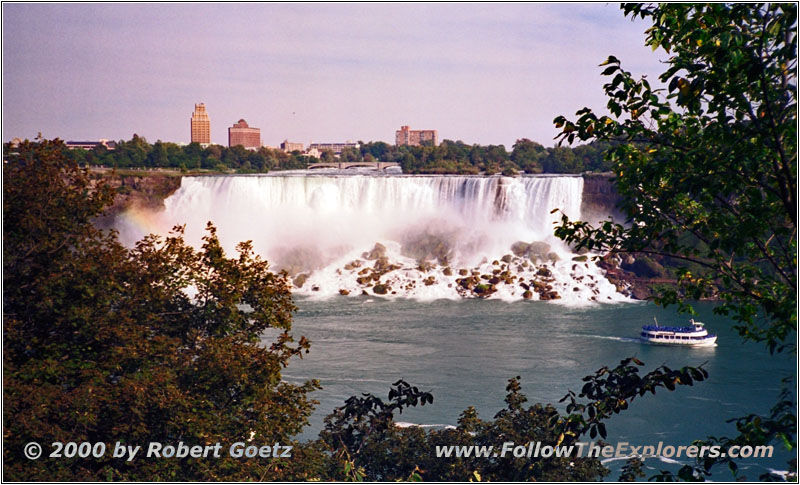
(201,125)
(243,134)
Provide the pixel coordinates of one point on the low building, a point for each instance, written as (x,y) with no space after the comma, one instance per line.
(91,145)
(336,148)
(242,134)
(288,146)
(407,136)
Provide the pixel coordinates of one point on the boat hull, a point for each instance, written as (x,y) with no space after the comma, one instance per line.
(706,342)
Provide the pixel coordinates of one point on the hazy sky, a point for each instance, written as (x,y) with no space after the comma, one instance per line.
(481,73)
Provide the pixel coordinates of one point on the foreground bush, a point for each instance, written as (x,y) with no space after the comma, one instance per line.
(104,343)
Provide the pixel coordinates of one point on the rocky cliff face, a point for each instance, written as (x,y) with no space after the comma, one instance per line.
(600,198)
(634,275)
(137,191)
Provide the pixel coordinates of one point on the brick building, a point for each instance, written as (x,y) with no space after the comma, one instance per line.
(407,136)
(242,134)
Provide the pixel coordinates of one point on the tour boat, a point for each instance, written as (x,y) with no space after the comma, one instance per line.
(695,335)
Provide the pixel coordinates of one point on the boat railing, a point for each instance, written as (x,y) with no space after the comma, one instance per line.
(678,337)
(659,328)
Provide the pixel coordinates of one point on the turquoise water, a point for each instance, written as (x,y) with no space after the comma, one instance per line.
(465,351)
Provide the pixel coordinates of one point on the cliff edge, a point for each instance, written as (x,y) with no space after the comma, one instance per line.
(600,198)
(146,191)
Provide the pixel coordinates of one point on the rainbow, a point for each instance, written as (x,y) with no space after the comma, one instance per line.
(135,223)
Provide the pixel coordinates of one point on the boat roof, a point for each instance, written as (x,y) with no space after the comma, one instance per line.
(659,328)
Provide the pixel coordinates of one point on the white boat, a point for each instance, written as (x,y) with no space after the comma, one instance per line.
(696,335)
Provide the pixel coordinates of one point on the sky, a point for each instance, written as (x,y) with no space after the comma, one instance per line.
(486,73)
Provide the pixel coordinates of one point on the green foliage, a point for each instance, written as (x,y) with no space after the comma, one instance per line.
(611,391)
(364,444)
(527,155)
(104,343)
(717,159)
(363,438)
(561,159)
(448,158)
(137,153)
(632,470)
(327,156)
(712,156)
(350,155)
(754,430)
(357,433)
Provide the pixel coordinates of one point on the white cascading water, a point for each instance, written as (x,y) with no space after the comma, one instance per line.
(321,226)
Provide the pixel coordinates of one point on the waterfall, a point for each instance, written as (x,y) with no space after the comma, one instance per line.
(323,227)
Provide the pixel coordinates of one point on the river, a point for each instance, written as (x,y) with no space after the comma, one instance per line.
(417,239)
(465,351)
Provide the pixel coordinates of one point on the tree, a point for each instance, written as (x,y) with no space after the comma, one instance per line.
(193,150)
(105,344)
(526,154)
(591,156)
(378,149)
(561,160)
(136,150)
(175,155)
(257,161)
(100,150)
(215,151)
(157,156)
(707,167)
(497,154)
(327,156)
(350,155)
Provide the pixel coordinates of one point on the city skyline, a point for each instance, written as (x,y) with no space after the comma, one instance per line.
(486,74)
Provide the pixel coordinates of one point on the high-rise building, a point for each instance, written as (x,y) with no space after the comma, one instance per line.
(407,136)
(242,134)
(201,125)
